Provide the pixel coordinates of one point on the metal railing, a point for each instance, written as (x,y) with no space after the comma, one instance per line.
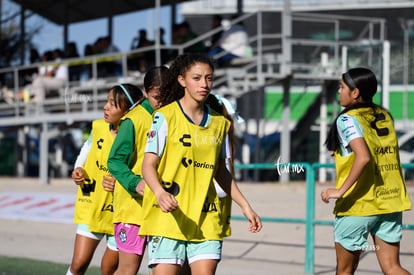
(309,219)
(83,101)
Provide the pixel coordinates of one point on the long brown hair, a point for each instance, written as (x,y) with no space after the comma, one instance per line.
(214,103)
(171,90)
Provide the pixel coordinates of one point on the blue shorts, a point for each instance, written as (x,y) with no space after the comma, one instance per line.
(352,232)
(83,230)
(162,250)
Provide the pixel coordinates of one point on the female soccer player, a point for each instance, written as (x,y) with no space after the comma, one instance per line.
(94,200)
(370,190)
(124,163)
(184,153)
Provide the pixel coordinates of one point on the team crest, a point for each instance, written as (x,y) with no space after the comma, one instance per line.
(151,135)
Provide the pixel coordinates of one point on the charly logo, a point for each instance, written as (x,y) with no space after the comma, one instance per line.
(186,140)
(99,143)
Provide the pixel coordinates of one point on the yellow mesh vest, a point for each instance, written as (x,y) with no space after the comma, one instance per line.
(128,208)
(94,206)
(187,167)
(381,188)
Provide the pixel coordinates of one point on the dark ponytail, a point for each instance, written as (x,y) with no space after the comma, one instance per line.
(365,80)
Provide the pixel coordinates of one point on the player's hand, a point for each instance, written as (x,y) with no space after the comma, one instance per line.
(167,202)
(255,224)
(330,193)
(77,175)
(140,187)
(108,183)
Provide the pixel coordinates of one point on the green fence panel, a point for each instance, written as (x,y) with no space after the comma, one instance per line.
(309,219)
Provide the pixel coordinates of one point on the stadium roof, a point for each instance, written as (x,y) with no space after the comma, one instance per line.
(64,12)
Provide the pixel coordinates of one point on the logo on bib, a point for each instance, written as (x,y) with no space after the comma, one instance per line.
(171,187)
(204,165)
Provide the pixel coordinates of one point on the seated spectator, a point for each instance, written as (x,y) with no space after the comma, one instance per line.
(47,57)
(28,75)
(86,70)
(141,40)
(104,45)
(215,23)
(50,79)
(144,60)
(232,44)
(185,34)
(72,52)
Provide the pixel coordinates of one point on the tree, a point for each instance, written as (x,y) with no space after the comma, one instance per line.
(14,45)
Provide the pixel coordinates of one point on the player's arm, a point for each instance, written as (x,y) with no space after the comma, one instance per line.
(153,152)
(77,173)
(351,136)
(120,157)
(225,179)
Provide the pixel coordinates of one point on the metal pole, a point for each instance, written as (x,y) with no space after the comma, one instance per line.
(173,14)
(259,115)
(323,132)
(260,48)
(110,22)
(344,59)
(286,35)
(65,26)
(386,74)
(21,165)
(285,136)
(239,7)
(286,71)
(406,70)
(44,150)
(22,35)
(406,27)
(310,220)
(157,28)
(1,18)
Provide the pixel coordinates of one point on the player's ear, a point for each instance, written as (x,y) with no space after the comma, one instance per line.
(355,93)
(180,79)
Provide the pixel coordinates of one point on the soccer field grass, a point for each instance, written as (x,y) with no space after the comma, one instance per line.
(18,266)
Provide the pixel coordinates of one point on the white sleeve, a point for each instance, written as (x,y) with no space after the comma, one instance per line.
(226,154)
(157,135)
(349,128)
(226,150)
(84,152)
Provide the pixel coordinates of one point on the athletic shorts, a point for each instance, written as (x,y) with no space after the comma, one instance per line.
(352,231)
(127,239)
(162,250)
(83,230)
